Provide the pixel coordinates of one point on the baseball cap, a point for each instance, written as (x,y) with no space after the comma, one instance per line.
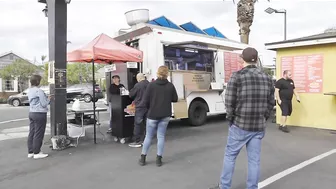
(115,76)
(249,55)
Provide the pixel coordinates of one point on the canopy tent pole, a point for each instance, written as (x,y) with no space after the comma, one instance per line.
(94,102)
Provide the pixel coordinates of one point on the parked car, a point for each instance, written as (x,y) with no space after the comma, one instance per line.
(84,91)
(22,98)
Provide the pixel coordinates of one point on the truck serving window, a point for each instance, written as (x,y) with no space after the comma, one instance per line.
(188,59)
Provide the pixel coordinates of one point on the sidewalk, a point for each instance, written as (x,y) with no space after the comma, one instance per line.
(193,160)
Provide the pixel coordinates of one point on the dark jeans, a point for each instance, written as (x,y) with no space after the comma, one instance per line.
(37,126)
(139,124)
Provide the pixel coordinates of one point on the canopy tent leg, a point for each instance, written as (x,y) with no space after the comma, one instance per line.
(94,102)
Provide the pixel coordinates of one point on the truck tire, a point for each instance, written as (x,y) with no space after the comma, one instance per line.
(197,113)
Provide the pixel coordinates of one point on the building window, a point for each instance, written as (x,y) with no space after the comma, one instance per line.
(11,57)
(8,85)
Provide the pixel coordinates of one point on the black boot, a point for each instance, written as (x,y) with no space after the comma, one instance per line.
(142,160)
(159,161)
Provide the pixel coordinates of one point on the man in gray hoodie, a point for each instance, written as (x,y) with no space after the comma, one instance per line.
(137,93)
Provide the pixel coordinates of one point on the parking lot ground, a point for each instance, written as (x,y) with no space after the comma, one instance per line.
(320,174)
(192,160)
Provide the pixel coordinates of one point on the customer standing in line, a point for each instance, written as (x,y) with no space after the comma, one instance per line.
(38,108)
(158,98)
(284,91)
(137,93)
(114,89)
(249,100)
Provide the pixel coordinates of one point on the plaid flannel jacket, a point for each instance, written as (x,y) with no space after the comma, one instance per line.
(249,98)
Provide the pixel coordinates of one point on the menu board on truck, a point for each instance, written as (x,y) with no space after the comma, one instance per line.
(231,64)
(307,72)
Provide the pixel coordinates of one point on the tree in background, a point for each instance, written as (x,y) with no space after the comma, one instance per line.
(80,72)
(43,57)
(20,69)
(76,73)
(268,71)
(44,69)
(245,16)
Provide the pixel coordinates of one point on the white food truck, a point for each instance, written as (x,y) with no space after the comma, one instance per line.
(196,62)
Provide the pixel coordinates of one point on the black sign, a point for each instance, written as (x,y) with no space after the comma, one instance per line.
(60,79)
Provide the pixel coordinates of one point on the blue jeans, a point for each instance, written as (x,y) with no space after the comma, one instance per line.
(237,139)
(161,127)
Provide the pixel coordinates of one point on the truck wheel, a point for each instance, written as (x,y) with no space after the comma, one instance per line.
(197,113)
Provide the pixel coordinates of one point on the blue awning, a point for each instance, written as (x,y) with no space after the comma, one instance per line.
(164,22)
(214,32)
(190,27)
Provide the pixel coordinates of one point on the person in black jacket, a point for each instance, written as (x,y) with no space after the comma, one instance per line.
(158,98)
(114,89)
(137,93)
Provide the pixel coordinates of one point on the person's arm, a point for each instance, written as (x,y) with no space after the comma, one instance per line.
(44,101)
(277,91)
(296,93)
(231,96)
(174,97)
(134,91)
(270,101)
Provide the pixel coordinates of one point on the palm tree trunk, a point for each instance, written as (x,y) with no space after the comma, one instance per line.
(245,15)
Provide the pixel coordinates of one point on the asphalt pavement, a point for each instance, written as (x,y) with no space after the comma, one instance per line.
(192,160)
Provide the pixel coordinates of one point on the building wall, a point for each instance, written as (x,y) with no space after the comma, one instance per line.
(5,61)
(315,110)
(8,59)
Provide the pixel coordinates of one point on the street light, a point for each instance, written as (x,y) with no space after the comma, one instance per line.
(45,11)
(270,10)
(45,1)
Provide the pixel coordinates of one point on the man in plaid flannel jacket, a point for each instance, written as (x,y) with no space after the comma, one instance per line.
(249,100)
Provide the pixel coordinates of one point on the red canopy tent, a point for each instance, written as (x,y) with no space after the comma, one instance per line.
(104,49)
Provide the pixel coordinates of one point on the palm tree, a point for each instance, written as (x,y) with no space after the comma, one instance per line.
(245,15)
(43,57)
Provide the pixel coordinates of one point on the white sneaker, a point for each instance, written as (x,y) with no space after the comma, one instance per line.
(30,155)
(40,155)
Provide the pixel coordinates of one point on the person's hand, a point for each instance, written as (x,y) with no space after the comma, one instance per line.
(279,102)
(50,97)
(298,99)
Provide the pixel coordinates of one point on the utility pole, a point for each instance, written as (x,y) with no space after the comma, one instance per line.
(56,11)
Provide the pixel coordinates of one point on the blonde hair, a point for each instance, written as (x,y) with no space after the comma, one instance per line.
(162,72)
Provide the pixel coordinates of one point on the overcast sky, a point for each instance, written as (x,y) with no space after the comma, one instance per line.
(23,27)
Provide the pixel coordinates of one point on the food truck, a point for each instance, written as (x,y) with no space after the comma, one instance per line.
(200,61)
